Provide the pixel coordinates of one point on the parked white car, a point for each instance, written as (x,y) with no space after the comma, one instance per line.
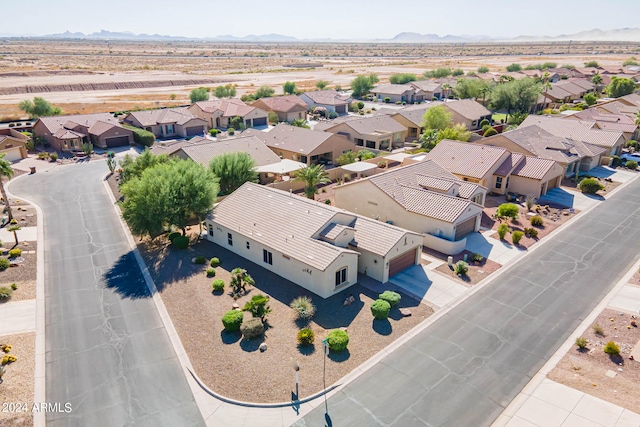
(630,156)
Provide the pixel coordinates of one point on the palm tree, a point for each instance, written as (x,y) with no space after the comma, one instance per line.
(5,170)
(445,89)
(597,80)
(546,85)
(484,90)
(312,176)
(638,118)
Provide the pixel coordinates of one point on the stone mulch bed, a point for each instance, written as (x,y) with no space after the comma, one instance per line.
(586,370)
(236,368)
(476,273)
(18,385)
(24,273)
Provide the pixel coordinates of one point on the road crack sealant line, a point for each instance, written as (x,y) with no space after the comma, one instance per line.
(181,353)
(39,388)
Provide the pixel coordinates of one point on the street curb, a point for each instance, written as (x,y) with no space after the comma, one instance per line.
(39,388)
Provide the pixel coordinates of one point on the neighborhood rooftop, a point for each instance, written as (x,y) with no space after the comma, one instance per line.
(202,150)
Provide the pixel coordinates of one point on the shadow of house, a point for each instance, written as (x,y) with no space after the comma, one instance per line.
(125,278)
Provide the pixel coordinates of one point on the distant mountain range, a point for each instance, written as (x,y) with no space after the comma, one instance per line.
(622,34)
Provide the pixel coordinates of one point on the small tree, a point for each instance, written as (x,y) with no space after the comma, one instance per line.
(240,280)
(5,171)
(289,88)
(483,69)
(590,186)
(322,84)
(226,91)
(508,210)
(236,122)
(14,229)
(233,169)
(590,99)
(312,176)
(258,306)
(264,92)
(300,123)
(514,68)
(273,117)
(590,64)
(39,107)
(197,95)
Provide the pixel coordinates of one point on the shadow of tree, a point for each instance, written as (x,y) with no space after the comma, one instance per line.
(125,278)
(252,344)
(617,359)
(340,356)
(382,327)
(230,337)
(306,350)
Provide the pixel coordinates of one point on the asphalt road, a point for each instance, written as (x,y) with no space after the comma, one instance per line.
(107,351)
(467,367)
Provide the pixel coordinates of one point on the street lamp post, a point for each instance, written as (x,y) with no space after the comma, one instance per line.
(325,348)
(296,367)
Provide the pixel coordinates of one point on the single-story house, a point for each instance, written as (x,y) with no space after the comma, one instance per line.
(399,93)
(330,99)
(316,246)
(168,122)
(379,132)
(468,112)
(218,113)
(497,168)
(410,117)
(68,133)
(423,197)
(609,122)
(305,145)
(430,89)
(586,131)
(13,145)
(572,155)
(288,107)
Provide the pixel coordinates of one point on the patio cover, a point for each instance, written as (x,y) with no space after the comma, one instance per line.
(282,167)
(359,167)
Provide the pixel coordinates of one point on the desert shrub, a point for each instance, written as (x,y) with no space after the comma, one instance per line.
(489,132)
(393,298)
(387,100)
(461,268)
(53,156)
(484,122)
(338,340)
(476,257)
(333,115)
(180,242)
(508,210)
(14,286)
(252,328)
(218,285)
(633,144)
(612,349)
(231,131)
(306,337)
(5,293)
(380,309)
(502,230)
(211,272)
(4,263)
(360,105)
(581,343)
(590,186)
(215,262)
(598,330)
(5,348)
(258,306)
(531,232)
(303,307)
(631,164)
(327,202)
(9,358)
(516,237)
(214,132)
(529,201)
(13,253)
(200,260)
(173,235)
(141,136)
(232,320)
(537,221)
(615,161)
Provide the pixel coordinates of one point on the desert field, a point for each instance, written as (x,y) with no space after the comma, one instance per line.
(83,76)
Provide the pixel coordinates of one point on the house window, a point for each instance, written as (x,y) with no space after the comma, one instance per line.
(359,142)
(211,230)
(341,276)
(507,184)
(267,257)
(229,239)
(303,159)
(248,246)
(169,129)
(498,182)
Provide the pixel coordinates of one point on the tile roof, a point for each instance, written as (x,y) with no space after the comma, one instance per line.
(373,125)
(295,139)
(433,183)
(327,97)
(202,150)
(228,107)
(333,230)
(63,133)
(283,104)
(413,113)
(533,167)
(54,123)
(583,83)
(468,159)
(607,121)
(265,214)
(163,116)
(100,127)
(392,89)
(509,164)
(168,148)
(468,108)
(573,129)
(427,85)
(430,203)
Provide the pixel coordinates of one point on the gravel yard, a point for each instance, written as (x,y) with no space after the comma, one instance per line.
(235,367)
(587,370)
(18,385)
(23,275)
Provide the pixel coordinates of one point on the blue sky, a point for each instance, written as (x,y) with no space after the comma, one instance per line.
(344,19)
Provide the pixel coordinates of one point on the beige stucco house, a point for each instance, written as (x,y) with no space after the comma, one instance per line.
(423,197)
(330,99)
(378,132)
(68,133)
(288,107)
(13,145)
(610,122)
(399,93)
(316,246)
(218,113)
(168,123)
(468,112)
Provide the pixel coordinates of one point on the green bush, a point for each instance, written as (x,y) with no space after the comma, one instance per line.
(590,186)
(537,221)
(303,307)
(232,320)
(598,330)
(338,340)
(252,328)
(516,237)
(360,105)
(5,293)
(476,257)
(218,285)
(393,298)
(380,309)
(615,161)
(531,232)
(141,136)
(502,230)
(306,337)
(53,156)
(387,100)
(258,306)
(13,253)
(461,268)
(9,358)
(231,131)
(173,235)
(211,272)
(489,132)
(200,260)
(631,164)
(508,210)
(612,349)
(484,122)
(4,263)
(215,262)
(214,132)
(180,242)
(581,343)
(14,286)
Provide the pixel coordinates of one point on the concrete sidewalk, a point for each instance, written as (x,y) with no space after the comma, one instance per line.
(17,317)
(25,234)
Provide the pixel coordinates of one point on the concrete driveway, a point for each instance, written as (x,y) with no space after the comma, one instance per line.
(428,286)
(570,198)
(620,175)
(491,248)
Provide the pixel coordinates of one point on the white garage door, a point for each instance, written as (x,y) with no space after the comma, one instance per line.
(12,154)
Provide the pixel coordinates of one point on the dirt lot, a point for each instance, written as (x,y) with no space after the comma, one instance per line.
(585,370)
(235,367)
(18,385)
